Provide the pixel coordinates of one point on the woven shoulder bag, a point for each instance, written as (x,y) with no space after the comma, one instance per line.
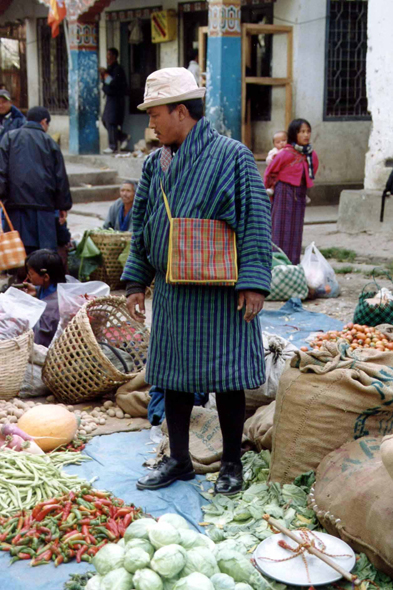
(201,251)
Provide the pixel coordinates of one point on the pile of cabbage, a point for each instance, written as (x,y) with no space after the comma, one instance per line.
(168,555)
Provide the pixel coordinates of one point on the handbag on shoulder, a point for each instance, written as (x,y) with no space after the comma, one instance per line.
(201,251)
(12,250)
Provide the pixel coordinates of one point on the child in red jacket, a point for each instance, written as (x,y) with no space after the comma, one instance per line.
(290,173)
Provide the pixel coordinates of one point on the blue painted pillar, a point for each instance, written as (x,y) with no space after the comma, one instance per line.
(224,80)
(83,89)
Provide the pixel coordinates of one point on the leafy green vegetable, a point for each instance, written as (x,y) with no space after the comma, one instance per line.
(200,559)
(169,560)
(175,520)
(136,558)
(108,558)
(223,582)
(146,579)
(142,543)
(139,529)
(194,581)
(163,534)
(117,579)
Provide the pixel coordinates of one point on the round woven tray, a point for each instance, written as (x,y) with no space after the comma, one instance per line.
(111,245)
(14,356)
(76,369)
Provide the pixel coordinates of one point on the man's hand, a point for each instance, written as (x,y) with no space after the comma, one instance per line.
(253,301)
(62,217)
(137,299)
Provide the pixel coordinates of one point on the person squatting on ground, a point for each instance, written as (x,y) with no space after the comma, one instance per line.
(45,271)
(119,216)
(203,338)
(10,117)
(115,89)
(33,182)
(290,173)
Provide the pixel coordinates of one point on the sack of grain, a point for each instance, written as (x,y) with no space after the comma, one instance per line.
(351,499)
(327,398)
(259,428)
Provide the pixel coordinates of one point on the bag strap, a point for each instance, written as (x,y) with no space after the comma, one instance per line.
(7,218)
(166,202)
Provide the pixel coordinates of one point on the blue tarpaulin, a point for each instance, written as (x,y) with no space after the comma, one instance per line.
(117,461)
(295,324)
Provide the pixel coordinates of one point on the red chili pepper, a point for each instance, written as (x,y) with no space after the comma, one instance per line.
(101,494)
(59,559)
(123,511)
(80,552)
(20,524)
(16,539)
(67,510)
(43,529)
(85,520)
(70,535)
(89,498)
(24,556)
(5,546)
(112,527)
(121,528)
(127,520)
(92,539)
(45,511)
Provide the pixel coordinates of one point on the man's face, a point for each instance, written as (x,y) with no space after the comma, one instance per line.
(110,58)
(166,125)
(45,125)
(5,105)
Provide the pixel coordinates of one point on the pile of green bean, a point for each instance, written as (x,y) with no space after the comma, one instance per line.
(26,479)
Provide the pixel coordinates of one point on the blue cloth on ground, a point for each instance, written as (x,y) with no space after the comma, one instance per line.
(156,407)
(295,324)
(117,472)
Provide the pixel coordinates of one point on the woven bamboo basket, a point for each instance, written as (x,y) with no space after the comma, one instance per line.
(111,245)
(76,369)
(14,356)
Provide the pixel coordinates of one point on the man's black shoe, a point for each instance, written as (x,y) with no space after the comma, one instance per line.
(230,479)
(167,471)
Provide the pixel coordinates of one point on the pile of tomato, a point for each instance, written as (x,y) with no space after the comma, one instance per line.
(357,336)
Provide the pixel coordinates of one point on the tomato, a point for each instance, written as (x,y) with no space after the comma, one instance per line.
(304,348)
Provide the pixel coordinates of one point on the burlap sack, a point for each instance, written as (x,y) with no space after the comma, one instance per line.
(205,440)
(134,403)
(259,428)
(326,399)
(352,500)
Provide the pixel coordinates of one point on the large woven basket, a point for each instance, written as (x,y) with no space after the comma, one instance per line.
(14,356)
(111,245)
(76,369)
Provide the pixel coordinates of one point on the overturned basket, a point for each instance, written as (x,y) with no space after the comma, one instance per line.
(76,369)
(111,245)
(14,355)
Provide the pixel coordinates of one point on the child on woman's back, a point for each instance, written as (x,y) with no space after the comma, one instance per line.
(280,140)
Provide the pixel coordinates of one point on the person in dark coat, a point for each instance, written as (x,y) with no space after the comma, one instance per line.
(33,181)
(10,116)
(115,88)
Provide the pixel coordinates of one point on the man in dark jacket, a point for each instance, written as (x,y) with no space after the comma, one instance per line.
(10,116)
(115,88)
(33,181)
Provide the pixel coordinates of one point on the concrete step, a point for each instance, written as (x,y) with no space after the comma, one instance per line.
(108,192)
(126,167)
(321,215)
(83,176)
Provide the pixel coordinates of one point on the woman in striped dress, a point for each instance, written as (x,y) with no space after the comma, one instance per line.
(203,338)
(290,173)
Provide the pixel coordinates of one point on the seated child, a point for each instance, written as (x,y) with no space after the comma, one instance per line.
(45,270)
(280,140)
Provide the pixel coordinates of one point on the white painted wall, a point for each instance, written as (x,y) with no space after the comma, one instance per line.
(380,102)
(341,145)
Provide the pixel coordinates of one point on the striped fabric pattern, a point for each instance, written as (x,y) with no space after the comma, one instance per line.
(202,250)
(289,207)
(199,341)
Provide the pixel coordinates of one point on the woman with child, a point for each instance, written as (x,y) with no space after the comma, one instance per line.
(290,172)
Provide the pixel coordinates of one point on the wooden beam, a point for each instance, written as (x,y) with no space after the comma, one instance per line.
(244,85)
(267,81)
(288,89)
(251,29)
(202,32)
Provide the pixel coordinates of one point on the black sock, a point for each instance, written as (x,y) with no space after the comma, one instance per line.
(231,406)
(178,408)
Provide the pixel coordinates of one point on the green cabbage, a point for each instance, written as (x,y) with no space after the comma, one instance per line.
(216,534)
(121,543)
(175,520)
(188,538)
(108,558)
(139,529)
(164,534)
(169,584)
(94,583)
(117,579)
(146,579)
(248,541)
(143,544)
(136,558)
(223,582)
(204,541)
(230,544)
(169,560)
(242,586)
(194,581)
(240,568)
(202,560)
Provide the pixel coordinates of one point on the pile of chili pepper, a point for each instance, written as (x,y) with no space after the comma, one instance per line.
(75,446)
(75,525)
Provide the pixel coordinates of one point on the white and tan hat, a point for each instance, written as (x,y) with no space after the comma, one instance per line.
(170,85)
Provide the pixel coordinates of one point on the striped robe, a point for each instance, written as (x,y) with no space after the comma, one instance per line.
(199,341)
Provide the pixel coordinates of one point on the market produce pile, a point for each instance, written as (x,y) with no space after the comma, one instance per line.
(74,525)
(356,335)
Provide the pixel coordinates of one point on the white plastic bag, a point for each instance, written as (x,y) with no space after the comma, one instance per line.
(320,276)
(72,296)
(18,312)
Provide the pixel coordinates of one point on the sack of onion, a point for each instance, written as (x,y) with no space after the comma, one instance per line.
(356,335)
